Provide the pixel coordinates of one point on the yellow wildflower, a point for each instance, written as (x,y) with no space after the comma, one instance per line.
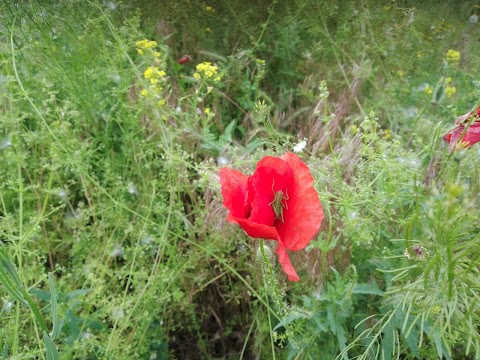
(450,91)
(156,54)
(428,90)
(453,56)
(217,79)
(146,44)
(140,51)
(153,73)
(208,8)
(148,73)
(161,102)
(387,133)
(207,110)
(153,81)
(196,76)
(207,69)
(144,92)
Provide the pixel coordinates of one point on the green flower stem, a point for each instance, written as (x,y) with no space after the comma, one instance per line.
(270,274)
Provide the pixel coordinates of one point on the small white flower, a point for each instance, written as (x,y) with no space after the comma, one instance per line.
(116,78)
(132,189)
(63,195)
(117,313)
(300,146)
(6,142)
(7,306)
(473,19)
(85,335)
(352,215)
(222,161)
(117,251)
(146,240)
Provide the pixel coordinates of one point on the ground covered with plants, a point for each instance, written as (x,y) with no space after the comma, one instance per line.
(125,128)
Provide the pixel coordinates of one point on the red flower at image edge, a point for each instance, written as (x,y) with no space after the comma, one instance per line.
(278,202)
(471,136)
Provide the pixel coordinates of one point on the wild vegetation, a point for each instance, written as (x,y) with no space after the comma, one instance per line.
(116,117)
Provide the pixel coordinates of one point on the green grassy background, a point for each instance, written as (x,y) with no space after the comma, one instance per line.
(113,236)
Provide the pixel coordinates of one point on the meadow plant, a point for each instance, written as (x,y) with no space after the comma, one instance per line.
(119,152)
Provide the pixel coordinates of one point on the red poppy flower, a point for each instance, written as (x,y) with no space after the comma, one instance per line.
(471,136)
(184,59)
(278,202)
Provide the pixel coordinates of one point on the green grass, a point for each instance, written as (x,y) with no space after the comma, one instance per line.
(114,243)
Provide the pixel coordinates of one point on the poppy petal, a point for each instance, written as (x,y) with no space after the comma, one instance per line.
(304,215)
(301,172)
(234,191)
(267,180)
(472,136)
(284,260)
(255,230)
(302,220)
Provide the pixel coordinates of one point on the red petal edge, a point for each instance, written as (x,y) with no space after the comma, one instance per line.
(301,172)
(284,260)
(302,220)
(304,216)
(255,230)
(234,191)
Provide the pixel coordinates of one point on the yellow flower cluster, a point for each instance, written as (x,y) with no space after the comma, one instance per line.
(147,45)
(428,90)
(453,56)
(206,70)
(153,74)
(450,91)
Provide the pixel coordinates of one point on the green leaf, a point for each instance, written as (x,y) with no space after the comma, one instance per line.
(387,341)
(75,293)
(290,318)
(228,134)
(5,352)
(342,339)
(9,267)
(53,304)
(52,352)
(367,289)
(9,277)
(41,294)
